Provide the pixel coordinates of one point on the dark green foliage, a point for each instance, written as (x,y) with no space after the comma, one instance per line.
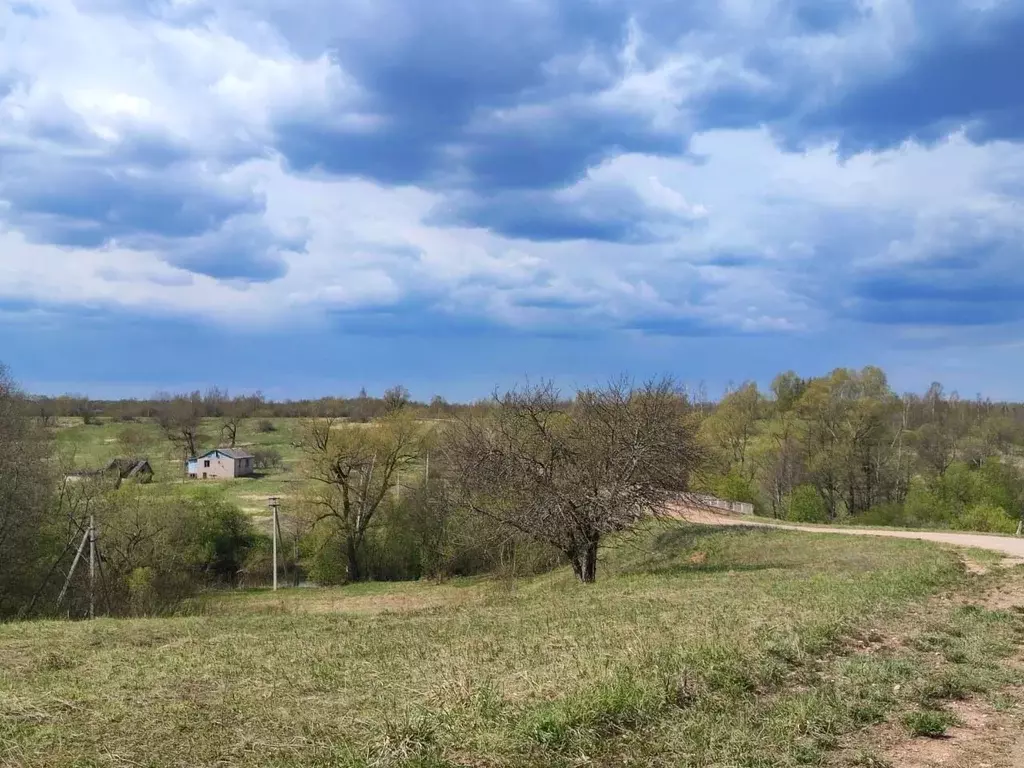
(805,505)
(223,534)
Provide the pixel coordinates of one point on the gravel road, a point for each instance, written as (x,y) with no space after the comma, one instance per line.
(1011,547)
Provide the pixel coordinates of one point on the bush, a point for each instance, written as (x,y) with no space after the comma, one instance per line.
(960,487)
(805,505)
(266,458)
(265,426)
(142,593)
(926,509)
(1001,484)
(890,514)
(223,535)
(987,518)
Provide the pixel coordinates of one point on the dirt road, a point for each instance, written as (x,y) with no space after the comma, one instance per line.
(1011,547)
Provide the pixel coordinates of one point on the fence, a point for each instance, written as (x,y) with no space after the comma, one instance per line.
(736,507)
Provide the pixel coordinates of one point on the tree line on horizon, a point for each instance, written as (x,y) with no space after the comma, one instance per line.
(216,402)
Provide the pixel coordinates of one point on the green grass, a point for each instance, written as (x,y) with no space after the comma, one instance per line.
(91,446)
(930,723)
(697,647)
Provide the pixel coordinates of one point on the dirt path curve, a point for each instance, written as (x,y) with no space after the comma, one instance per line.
(1010,547)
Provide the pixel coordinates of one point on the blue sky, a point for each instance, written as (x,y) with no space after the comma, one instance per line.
(306,198)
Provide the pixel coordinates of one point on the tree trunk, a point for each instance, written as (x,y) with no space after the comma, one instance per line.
(353,568)
(584,564)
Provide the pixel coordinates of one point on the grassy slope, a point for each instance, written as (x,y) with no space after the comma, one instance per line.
(698,647)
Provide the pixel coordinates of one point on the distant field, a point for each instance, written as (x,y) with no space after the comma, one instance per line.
(93,445)
(697,647)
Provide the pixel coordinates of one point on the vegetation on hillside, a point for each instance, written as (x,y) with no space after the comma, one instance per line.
(845,447)
(697,647)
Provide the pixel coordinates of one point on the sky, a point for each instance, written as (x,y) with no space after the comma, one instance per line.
(308,198)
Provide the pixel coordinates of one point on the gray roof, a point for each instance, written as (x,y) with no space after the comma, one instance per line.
(231,453)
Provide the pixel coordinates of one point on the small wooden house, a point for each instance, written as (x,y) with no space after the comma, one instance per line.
(117,470)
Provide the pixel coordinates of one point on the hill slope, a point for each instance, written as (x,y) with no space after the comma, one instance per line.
(698,646)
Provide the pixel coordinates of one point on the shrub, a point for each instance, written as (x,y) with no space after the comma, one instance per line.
(265,426)
(805,505)
(266,458)
(985,517)
(925,509)
(889,514)
(142,594)
(960,487)
(1001,484)
(223,534)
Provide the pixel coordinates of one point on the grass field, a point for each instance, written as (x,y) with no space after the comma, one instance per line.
(93,445)
(698,647)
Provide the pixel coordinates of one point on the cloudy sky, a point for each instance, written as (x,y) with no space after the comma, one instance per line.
(307,197)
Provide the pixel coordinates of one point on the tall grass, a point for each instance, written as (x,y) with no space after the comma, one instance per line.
(696,647)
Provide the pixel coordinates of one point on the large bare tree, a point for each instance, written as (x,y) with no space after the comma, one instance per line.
(179,417)
(354,468)
(236,411)
(571,473)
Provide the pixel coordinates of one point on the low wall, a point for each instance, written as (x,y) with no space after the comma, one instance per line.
(736,507)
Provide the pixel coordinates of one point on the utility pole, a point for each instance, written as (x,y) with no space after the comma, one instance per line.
(74,564)
(89,537)
(277,531)
(275,502)
(92,567)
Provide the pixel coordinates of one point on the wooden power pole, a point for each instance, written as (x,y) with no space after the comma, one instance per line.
(275,504)
(92,567)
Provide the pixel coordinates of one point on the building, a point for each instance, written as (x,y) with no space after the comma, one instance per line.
(117,470)
(138,470)
(220,464)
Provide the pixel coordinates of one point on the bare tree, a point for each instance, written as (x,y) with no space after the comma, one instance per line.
(353,469)
(396,398)
(236,411)
(570,474)
(180,417)
(215,401)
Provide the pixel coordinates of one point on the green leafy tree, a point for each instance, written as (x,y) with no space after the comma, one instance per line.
(805,505)
(353,469)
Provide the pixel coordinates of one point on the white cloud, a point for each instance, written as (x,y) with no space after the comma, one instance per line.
(368,246)
(217,88)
